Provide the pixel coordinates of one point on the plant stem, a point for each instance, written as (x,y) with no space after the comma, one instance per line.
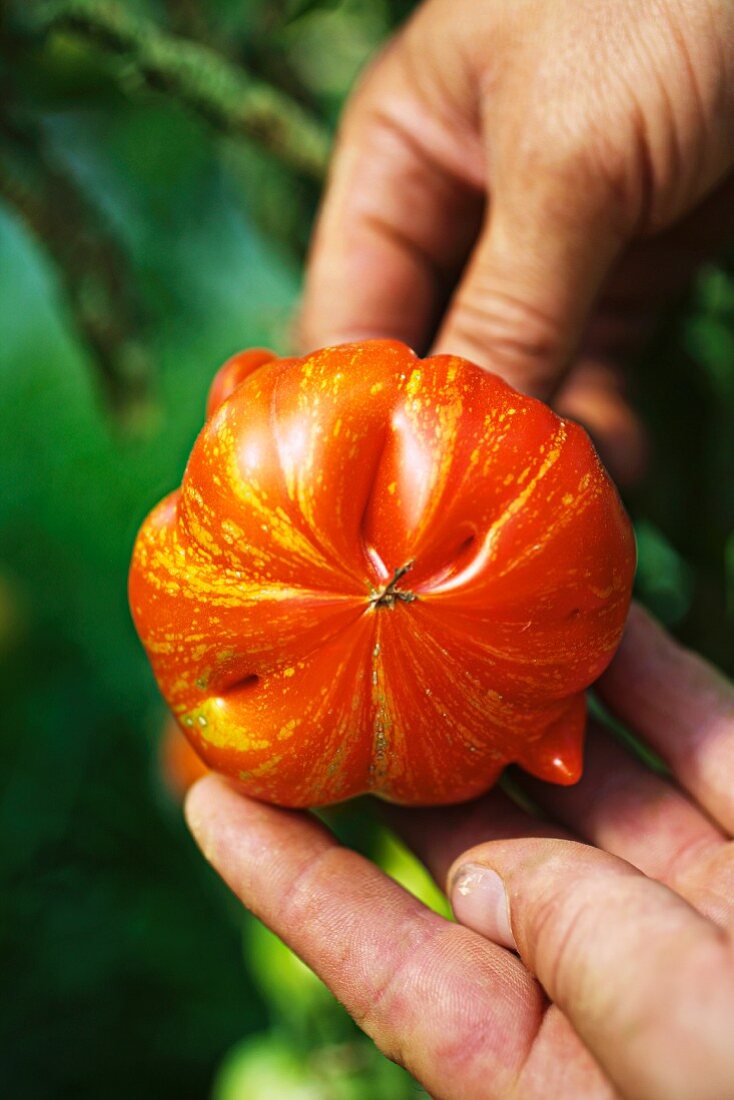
(92,266)
(199,77)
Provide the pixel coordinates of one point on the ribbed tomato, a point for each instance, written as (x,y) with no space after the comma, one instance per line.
(382,574)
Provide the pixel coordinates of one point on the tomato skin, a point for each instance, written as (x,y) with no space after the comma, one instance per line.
(262,588)
(232,374)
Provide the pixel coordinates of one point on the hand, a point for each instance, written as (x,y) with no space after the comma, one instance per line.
(568,162)
(624,984)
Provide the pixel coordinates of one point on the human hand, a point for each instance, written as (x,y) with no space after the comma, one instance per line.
(624,984)
(567,163)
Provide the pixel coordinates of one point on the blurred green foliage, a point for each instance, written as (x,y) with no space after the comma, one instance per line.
(121,952)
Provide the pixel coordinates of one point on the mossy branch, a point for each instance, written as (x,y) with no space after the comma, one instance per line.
(198,77)
(92,266)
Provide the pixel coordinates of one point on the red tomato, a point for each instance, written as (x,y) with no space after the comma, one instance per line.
(382,574)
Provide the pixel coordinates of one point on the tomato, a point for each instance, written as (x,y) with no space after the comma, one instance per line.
(382,574)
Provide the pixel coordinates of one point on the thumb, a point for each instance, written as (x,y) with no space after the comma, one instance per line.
(646,981)
(524,298)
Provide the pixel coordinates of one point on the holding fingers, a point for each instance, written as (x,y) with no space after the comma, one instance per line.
(529,184)
(640,977)
(645,980)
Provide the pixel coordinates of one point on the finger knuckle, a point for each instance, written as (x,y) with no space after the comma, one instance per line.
(507,330)
(453,971)
(560,932)
(690,853)
(575,158)
(389,1013)
(300,902)
(369,90)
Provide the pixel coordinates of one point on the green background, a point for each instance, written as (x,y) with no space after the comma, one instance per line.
(124,971)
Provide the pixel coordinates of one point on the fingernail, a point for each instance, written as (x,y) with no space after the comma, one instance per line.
(479,901)
(198,821)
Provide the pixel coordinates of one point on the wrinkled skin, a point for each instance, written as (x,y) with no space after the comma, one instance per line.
(382,574)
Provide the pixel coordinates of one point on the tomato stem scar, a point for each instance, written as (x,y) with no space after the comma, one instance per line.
(390,594)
